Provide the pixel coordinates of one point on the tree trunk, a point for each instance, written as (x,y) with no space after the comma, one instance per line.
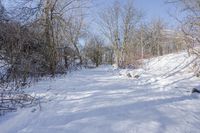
(50,38)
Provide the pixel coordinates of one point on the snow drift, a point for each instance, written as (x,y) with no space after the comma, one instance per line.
(102,100)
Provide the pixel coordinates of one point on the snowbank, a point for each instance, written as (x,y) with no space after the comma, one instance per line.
(135,73)
(101,101)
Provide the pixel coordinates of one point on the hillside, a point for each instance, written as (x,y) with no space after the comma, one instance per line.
(106,100)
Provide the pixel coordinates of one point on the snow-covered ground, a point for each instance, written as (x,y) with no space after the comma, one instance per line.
(105,100)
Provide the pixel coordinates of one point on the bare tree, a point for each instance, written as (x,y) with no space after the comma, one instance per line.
(130,18)
(157,36)
(30,41)
(94,49)
(118,25)
(75,30)
(57,21)
(190,24)
(110,22)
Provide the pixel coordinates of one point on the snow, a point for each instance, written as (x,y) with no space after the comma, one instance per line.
(104,100)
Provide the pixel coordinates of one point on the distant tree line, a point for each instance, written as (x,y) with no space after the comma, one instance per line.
(132,39)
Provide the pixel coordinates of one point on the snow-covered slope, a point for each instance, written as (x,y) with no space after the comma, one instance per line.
(104,101)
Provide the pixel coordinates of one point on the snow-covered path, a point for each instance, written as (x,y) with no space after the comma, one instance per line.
(101,101)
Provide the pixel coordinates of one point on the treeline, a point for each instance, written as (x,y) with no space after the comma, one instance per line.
(41,37)
(49,37)
(189,21)
(37,38)
(132,38)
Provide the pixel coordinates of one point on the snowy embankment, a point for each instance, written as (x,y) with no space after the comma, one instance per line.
(103,100)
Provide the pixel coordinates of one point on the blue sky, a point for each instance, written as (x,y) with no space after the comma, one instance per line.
(156,8)
(153,9)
